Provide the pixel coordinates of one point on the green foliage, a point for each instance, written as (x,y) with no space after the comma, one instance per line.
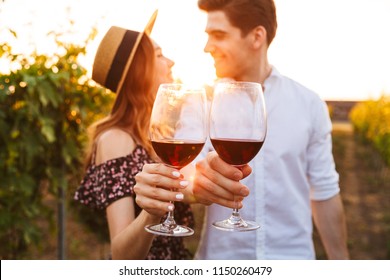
(371,120)
(45,108)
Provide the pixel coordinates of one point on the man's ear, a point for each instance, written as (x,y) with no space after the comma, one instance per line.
(259,36)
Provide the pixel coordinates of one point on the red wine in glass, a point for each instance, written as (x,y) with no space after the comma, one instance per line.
(236,151)
(178,131)
(238,126)
(177,153)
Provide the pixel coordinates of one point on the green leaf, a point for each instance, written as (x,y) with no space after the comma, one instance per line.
(47,129)
(58,79)
(31,81)
(13,32)
(15,133)
(49,133)
(48,93)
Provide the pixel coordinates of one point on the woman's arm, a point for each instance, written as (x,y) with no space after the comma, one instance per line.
(129,240)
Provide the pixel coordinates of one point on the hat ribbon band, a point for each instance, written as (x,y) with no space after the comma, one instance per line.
(121,57)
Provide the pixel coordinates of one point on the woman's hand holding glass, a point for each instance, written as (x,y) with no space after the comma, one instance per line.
(154,188)
(178,131)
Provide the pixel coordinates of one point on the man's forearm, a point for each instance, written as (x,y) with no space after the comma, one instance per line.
(330,221)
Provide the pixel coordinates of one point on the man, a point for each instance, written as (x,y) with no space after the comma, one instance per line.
(293,177)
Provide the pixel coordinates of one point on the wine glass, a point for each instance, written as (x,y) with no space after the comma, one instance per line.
(178,131)
(238,126)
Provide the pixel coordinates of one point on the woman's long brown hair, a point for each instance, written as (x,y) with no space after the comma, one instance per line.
(133,105)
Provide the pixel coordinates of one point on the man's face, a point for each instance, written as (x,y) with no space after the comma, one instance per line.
(231,52)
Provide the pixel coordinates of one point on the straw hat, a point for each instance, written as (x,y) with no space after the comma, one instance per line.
(115,54)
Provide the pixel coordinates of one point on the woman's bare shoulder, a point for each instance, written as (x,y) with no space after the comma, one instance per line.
(113,143)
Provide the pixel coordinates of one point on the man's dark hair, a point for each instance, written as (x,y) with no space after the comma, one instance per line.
(246,14)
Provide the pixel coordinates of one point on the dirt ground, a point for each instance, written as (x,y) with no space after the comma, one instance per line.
(365,189)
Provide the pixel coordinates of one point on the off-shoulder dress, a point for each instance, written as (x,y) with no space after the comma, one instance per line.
(105,183)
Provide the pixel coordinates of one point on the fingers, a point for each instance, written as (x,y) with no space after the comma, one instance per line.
(225,175)
(211,181)
(160,175)
(218,182)
(227,170)
(157,186)
(246,170)
(223,168)
(156,201)
(207,192)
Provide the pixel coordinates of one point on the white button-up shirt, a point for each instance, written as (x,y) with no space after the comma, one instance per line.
(294,166)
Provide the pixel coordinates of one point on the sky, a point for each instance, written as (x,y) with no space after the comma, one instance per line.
(338,48)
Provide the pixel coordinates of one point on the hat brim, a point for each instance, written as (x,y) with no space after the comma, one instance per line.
(116,53)
(147,30)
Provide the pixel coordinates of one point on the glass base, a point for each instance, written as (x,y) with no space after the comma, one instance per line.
(234,225)
(161,229)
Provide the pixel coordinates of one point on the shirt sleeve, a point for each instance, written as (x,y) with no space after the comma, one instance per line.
(321,172)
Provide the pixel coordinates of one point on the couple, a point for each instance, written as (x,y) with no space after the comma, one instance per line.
(292,180)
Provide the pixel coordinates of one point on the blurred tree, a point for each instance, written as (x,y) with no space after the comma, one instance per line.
(46,106)
(371,121)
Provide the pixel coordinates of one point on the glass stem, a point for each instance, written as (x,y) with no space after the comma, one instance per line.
(170,220)
(235,217)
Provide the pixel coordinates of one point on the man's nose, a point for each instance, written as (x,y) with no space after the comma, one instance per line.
(209,47)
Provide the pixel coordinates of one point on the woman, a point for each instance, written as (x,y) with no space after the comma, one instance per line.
(130,64)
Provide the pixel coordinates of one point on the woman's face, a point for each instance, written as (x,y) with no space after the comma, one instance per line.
(163,67)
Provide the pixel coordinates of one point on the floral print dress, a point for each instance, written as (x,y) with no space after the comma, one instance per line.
(105,183)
